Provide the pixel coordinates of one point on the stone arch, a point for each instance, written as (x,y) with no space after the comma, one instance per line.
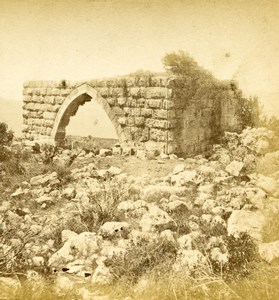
(77,97)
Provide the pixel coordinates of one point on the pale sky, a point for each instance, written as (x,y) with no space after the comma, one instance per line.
(86,39)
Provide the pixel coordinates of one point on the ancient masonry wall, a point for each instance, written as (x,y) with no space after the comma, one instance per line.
(142,110)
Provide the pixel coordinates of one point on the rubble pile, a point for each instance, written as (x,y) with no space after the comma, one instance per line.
(101,214)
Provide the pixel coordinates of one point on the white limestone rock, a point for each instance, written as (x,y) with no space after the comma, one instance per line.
(234,168)
(269,251)
(251,222)
(189,260)
(156,220)
(84,246)
(112,230)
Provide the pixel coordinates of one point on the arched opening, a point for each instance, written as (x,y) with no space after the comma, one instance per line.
(91,119)
(70,106)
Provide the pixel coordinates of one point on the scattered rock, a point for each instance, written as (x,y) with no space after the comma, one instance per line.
(269,251)
(69,193)
(189,260)
(251,222)
(111,230)
(156,220)
(234,168)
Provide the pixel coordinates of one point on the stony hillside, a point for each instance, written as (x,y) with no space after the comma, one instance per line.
(194,227)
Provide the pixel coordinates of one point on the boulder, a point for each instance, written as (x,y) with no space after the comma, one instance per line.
(102,275)
(218,256)
(48,200)
(185,241)
(176,206)
(268,184)
(112,230)
(168,235)
(234,168)
(114,171)
(179,168)
(43,180)
(83,246)
(269,251)
(67,234)
(182,178)
(189,260)
(156,220)
(105,152)
(251,222)
(69,193)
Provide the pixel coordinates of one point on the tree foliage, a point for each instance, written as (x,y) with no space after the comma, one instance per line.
(193,83)
(6,138)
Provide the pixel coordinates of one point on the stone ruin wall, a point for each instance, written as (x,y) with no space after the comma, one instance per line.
(142,110)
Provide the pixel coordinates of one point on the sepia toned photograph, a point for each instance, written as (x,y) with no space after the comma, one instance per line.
(139,150)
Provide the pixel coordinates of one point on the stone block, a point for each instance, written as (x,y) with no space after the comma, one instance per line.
(42,130)
(118,111)
(29,91)
(27,98)
(135,112)
(118,91)
(130,121)
(43,91)
(116,151)
(134,92)
(56,92)
(155,123)
(139,121)
(122,121)
(155,92)
(158,135)
(154,103)
(111,101)
(130,81)
(38,106)
(160,114)
(49,91)
(127,110)
(146,112)
(121,101)
(58,100)
(131,102)
(141,102)
(48,131)
(49,115)
(103,91)
(141,134)
(35,98)
(65,92)
(48,123)
(168,104)
(54,108)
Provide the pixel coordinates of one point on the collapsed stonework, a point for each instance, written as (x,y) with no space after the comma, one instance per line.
(143,110)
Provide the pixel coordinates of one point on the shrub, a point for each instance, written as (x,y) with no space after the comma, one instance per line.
(102,207)
(6,138)
(48,152)
(242,255)
(155,256)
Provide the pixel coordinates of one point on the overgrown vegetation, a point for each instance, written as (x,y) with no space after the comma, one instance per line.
(193,84)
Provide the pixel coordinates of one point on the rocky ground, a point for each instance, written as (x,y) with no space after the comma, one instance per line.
(116,217)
